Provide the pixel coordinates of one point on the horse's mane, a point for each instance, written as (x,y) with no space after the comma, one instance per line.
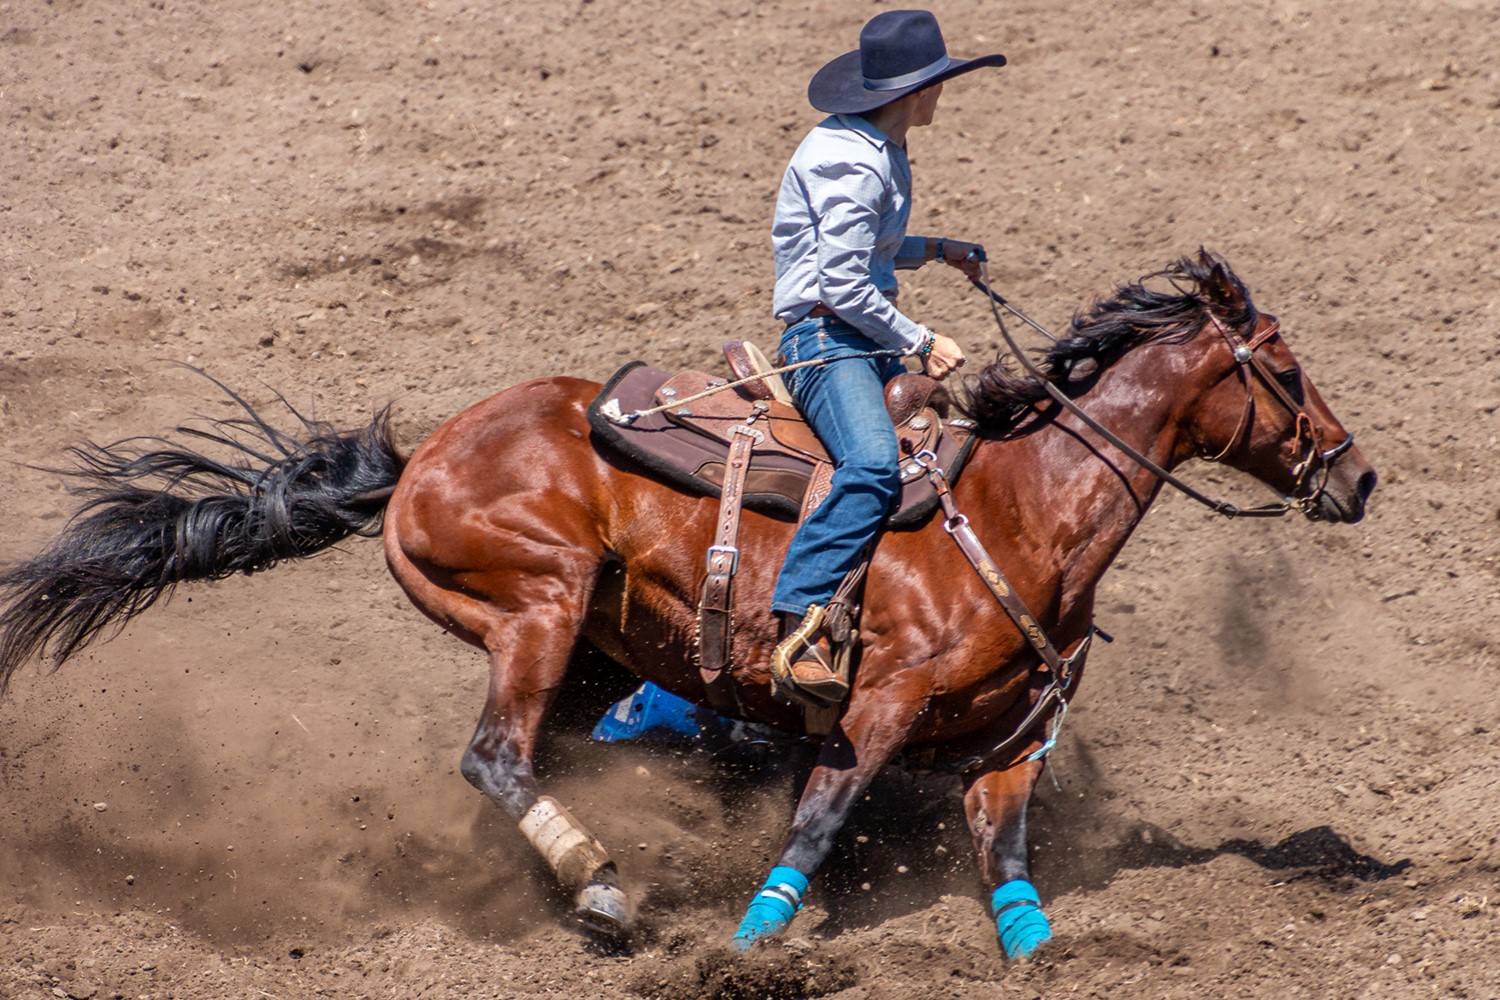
(998,398)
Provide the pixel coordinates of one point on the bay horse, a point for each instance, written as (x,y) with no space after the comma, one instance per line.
(511,528)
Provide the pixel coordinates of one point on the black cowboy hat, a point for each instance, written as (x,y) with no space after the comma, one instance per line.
(900,52)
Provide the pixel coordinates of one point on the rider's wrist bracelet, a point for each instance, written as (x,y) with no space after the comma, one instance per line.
(940,249)
(924,347)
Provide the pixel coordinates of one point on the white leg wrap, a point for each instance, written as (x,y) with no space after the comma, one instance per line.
(570,851)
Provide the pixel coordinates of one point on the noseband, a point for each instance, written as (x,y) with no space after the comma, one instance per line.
(1247,362)
(1315,457)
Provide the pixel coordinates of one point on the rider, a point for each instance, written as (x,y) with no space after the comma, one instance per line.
(839,237)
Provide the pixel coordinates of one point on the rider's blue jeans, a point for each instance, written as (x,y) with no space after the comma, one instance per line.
(844,401)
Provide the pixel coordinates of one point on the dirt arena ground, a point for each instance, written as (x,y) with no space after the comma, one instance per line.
(1281,780)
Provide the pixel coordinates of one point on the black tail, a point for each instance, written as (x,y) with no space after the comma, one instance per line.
(156,514)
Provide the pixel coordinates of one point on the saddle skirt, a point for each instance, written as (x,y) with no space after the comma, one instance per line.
(789,469)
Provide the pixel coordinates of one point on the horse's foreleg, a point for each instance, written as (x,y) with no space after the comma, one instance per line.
(995,802)
(856,750)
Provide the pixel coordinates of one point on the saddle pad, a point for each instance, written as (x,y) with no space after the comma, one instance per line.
(693,462)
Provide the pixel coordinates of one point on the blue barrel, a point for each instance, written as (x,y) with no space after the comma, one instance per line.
(649,712)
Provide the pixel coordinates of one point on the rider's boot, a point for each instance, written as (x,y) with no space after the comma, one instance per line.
(802,666)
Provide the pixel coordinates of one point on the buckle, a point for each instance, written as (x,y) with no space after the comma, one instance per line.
(730,550)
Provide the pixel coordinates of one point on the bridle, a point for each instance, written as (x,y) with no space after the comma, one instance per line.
(1250,367)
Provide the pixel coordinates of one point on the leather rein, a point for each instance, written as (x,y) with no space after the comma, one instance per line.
(1250,368)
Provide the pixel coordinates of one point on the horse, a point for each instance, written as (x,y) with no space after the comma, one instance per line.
(514,530)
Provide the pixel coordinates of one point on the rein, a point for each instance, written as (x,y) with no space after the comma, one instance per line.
(1245,359)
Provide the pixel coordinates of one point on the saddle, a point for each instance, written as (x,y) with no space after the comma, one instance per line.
(688,445)
(743,441)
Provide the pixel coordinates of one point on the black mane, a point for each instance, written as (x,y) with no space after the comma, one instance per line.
(998,398)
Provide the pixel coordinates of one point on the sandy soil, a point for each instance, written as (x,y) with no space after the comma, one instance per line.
(1282,779)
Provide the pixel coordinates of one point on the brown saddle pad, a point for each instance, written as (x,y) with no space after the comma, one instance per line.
(686,445)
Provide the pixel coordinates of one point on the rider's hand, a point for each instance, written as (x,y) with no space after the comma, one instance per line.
(965,256)
(946,356)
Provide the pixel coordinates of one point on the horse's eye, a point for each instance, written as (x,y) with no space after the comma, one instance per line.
(1291,381)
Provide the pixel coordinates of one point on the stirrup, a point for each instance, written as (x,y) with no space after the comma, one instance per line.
(801,646)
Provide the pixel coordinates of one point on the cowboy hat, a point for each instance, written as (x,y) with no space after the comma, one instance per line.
(900,52)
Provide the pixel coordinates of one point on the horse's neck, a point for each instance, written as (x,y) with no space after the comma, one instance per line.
(1077,491)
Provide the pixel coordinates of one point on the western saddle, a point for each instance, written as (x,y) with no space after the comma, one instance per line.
(747,444)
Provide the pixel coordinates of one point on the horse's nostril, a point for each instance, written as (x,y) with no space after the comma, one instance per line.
(1366,485)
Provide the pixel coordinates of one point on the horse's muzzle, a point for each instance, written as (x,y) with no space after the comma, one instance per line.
(1342,499)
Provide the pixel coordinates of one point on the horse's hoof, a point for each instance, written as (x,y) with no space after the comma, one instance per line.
(772,909)
(1022,940)
(603,909)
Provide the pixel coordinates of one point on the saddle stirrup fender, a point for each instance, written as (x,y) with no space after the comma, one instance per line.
(716,602)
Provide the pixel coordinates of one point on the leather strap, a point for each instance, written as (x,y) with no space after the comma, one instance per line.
(1053,699)
(1217,506)
(716,603)
(957,525)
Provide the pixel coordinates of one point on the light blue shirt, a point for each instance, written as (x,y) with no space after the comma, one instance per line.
(840,230)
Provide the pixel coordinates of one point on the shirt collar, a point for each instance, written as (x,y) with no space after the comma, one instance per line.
(868,132)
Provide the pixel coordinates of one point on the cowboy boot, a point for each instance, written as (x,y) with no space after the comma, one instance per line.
(802,664)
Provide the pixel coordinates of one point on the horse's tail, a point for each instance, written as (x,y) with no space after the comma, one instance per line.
(156,514)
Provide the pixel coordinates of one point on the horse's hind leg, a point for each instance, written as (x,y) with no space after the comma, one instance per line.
(494,532)
(498,762)
(528,624)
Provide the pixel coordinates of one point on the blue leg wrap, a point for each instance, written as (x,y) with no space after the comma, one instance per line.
(1019,919)
(772,909)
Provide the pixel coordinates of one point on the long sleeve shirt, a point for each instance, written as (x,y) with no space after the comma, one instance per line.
(840,230)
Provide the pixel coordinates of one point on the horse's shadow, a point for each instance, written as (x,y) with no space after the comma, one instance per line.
(1317,852)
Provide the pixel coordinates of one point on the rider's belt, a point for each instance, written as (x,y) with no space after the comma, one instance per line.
(820,311)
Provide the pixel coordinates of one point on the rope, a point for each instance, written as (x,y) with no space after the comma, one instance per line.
(634,415)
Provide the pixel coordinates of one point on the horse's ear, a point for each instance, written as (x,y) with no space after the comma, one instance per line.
(1220,286)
